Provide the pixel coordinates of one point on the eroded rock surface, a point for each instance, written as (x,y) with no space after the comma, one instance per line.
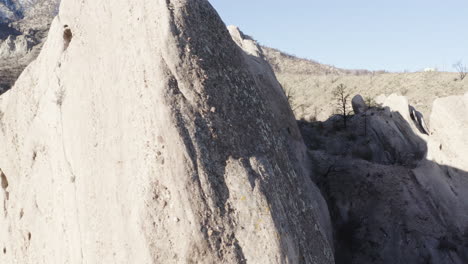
(144,135)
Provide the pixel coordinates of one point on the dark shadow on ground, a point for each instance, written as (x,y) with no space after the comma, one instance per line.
(388,203)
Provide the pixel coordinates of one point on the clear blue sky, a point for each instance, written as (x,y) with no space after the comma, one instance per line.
(394,35)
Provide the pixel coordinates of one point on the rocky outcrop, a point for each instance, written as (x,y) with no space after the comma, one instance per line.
(401,105)
(449,120)
(379,135)
(396,195)
(358,104)
(279,107)
(16,46)
(143,134)
(418,119)
(284,63)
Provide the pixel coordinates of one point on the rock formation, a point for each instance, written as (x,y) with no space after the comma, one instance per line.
(449,121)
(358,104)
(150,133)
(144,134)
(396,195)
(418,119)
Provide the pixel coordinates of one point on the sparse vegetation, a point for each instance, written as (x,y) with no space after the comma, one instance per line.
(341,96)
(291,96)
(461,68)
(404,91)
(371,103)
(312,83)
(313,118)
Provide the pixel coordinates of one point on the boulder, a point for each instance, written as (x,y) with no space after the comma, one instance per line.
(400,104)
(359,105)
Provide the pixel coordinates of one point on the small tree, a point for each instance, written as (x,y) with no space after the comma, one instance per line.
(370,101)
(291,95)
(341,96)
(462,69)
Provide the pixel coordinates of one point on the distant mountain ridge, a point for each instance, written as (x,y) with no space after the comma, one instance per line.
(14,10)
(7,11)
(23,28)
(309,84)
(287,63)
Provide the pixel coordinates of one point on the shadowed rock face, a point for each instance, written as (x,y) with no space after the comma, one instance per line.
(358,104)
(396,195)
(147,137)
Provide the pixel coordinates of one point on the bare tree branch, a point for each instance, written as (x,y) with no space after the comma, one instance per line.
(342,99)
(461,68)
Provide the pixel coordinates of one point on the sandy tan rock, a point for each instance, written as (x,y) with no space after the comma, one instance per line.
(449,120)
(148,138)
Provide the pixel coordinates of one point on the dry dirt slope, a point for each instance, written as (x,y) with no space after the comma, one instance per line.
(310,84)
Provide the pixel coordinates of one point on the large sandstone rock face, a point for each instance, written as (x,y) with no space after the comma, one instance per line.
(144,134)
